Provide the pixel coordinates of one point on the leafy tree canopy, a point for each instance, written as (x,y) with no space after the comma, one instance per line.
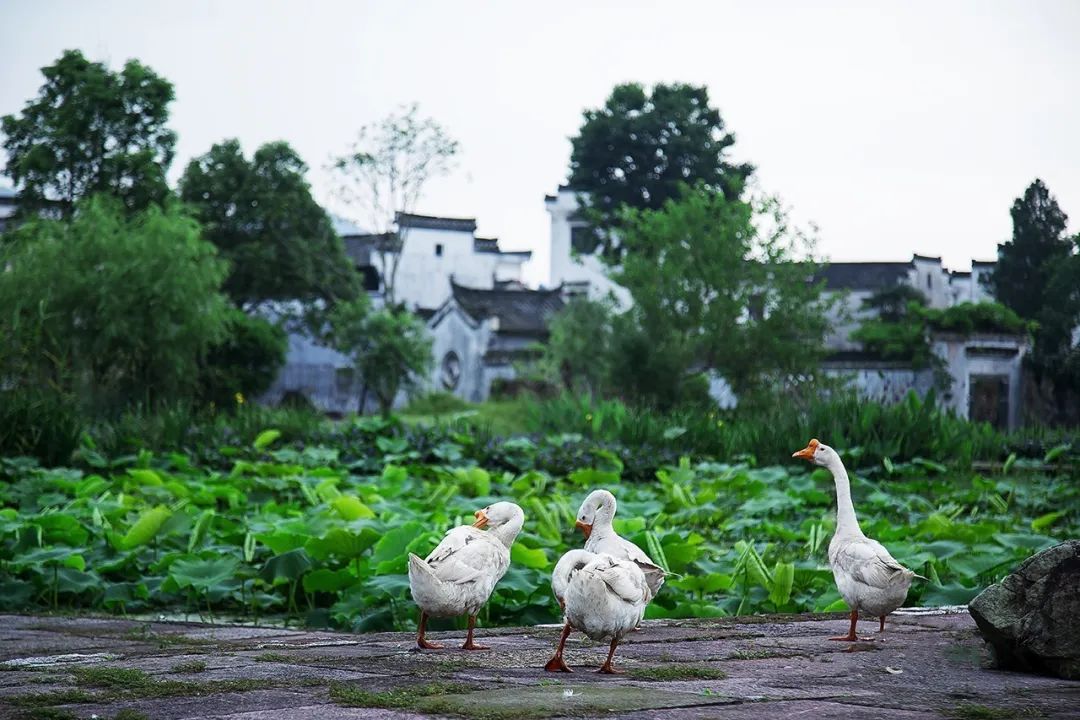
(260,214)
(1026,263)
(390,347)
(110,309)
(88,131)
(722,284)
(641,148)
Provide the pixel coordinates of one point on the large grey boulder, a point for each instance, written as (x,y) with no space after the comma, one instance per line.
(1032,618)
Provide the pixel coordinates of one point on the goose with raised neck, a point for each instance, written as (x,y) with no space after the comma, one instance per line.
(869,579)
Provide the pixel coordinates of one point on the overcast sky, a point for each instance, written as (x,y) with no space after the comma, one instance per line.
(897,127)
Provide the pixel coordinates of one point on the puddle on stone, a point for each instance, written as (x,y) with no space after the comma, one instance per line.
(943,610)
(551,700)
(68,659)
(300,645)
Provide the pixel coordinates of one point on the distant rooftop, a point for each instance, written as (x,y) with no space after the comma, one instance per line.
(519,311)
(863,275)
(432,222)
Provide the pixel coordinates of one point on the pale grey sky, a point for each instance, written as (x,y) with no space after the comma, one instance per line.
(897,127)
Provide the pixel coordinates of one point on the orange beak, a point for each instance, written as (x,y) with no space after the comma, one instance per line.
(481,519)
(585,529)
(807,453)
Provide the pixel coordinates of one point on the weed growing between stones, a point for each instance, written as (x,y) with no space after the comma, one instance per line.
(193,666)
(407,697)
(272,657)
(668,673)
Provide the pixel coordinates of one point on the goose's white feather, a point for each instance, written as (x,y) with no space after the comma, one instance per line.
(598,510)
(604,598)
(869,579)
(458,576)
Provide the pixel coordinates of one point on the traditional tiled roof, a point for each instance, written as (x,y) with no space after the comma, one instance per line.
(491,245)
(863,275)
(432,222)
(524,312)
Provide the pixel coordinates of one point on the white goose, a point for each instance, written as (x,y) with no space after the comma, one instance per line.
(594,519)
(602,597)
(869,579)
(458,576)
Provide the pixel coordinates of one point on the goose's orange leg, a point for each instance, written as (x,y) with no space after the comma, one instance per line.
(606,668)
(556,663)
(469,644)
(420,641)
(851,636)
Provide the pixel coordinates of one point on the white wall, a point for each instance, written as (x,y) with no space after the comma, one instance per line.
(565,268)
(423,277)
(453,332)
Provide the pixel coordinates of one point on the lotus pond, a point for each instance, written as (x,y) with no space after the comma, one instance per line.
(318,534)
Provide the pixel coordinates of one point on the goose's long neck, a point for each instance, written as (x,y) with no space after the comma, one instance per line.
(508,532)
(602,522)
(846,522)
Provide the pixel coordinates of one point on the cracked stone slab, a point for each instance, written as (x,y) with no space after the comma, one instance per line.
(927,665)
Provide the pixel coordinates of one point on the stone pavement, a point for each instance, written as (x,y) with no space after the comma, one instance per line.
(928,666)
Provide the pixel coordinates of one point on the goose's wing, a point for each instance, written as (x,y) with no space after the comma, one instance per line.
(633,553)
(868,562)
(625,580)
(464,554)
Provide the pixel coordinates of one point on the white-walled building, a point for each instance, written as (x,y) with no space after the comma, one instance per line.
(434,250)
(469,292)
(982,373)
(572,268)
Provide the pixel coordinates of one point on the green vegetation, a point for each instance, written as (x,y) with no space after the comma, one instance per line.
(318,528)
(193,666)
(405,697)
(669,673)
(91,131)
(390,348)
(259,213)
(641,148)
(902,331)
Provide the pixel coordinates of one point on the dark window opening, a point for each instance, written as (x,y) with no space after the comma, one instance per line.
(438,249)
(584,240)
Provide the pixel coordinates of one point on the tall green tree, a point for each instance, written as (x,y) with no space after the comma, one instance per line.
(578,352)
(721,283)
(390,348)
(1026,263)
(279,242)
(109,309)
(642,148)
(91,131)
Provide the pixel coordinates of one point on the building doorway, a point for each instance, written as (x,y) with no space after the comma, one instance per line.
(988,400)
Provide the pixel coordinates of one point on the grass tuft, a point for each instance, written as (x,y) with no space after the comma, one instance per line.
(272,657)
(667,673)
(56,697)
(192,666)
(406,697)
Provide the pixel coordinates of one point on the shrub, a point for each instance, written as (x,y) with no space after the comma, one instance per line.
(246,360)
(111,310)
